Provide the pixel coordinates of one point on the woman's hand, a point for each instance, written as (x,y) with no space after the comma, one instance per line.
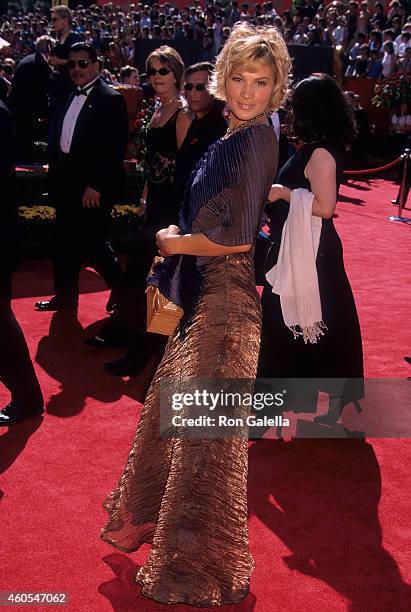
(279,192)
(165,239)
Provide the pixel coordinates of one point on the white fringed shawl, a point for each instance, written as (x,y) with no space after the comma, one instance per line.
(294,277)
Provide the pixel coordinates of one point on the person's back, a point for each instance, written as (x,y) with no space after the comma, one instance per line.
(30,85)
(29,98)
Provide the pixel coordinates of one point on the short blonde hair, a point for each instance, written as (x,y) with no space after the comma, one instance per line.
(171,59)
(246,46)
(63,12)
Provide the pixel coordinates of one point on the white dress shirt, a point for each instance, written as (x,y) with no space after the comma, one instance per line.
(71,116)
(275,118)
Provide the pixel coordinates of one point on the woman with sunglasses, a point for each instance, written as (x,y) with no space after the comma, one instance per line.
(166,133)
(168,128)
(187,494)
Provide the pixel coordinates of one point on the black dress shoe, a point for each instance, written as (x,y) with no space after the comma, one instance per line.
(54,304)
(122,367)
(97,342)
(13,413)
(407,359)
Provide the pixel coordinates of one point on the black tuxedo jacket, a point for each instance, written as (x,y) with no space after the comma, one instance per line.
(201,134)
(9,226)
(98,146)
(30,87)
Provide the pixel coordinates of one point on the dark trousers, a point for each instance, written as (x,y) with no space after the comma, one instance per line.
(16,369)
(81,237)
(130,318)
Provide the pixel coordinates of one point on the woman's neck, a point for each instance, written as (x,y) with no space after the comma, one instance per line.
(236,123)
(168,97)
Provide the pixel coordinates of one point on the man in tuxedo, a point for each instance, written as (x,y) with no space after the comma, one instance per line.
(88,139)
(29,97)
(16,368)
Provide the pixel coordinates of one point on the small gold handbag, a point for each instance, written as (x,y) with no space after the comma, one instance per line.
(163,315)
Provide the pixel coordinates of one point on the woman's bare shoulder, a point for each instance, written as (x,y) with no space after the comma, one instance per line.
(321,156)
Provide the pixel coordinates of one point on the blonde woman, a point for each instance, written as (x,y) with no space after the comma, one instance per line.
(188,497)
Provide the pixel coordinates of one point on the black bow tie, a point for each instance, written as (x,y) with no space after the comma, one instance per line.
(84,91)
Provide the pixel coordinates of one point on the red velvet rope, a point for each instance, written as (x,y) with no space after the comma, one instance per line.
(131,162)
(373,170)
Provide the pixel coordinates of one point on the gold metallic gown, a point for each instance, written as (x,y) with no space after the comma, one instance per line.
(188,497)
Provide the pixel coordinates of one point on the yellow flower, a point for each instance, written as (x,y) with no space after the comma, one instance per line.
(126,210)
(37,213)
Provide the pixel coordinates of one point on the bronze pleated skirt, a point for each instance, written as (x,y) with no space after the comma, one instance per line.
(188,497)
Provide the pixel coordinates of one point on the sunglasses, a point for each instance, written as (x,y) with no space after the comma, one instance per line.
(197,87)
(54,19)
(162,71)
(81,63)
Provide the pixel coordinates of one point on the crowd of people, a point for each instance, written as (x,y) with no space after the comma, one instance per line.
(368,42)
(368,39)
(213,152)
(380,53)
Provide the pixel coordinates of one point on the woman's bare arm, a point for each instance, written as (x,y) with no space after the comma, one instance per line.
(321,172)
(171,243)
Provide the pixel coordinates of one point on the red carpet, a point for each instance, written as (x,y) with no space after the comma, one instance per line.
(329,519)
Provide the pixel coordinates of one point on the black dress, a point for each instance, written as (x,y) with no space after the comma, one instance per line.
(338,354)
(162,209)
(63,85)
